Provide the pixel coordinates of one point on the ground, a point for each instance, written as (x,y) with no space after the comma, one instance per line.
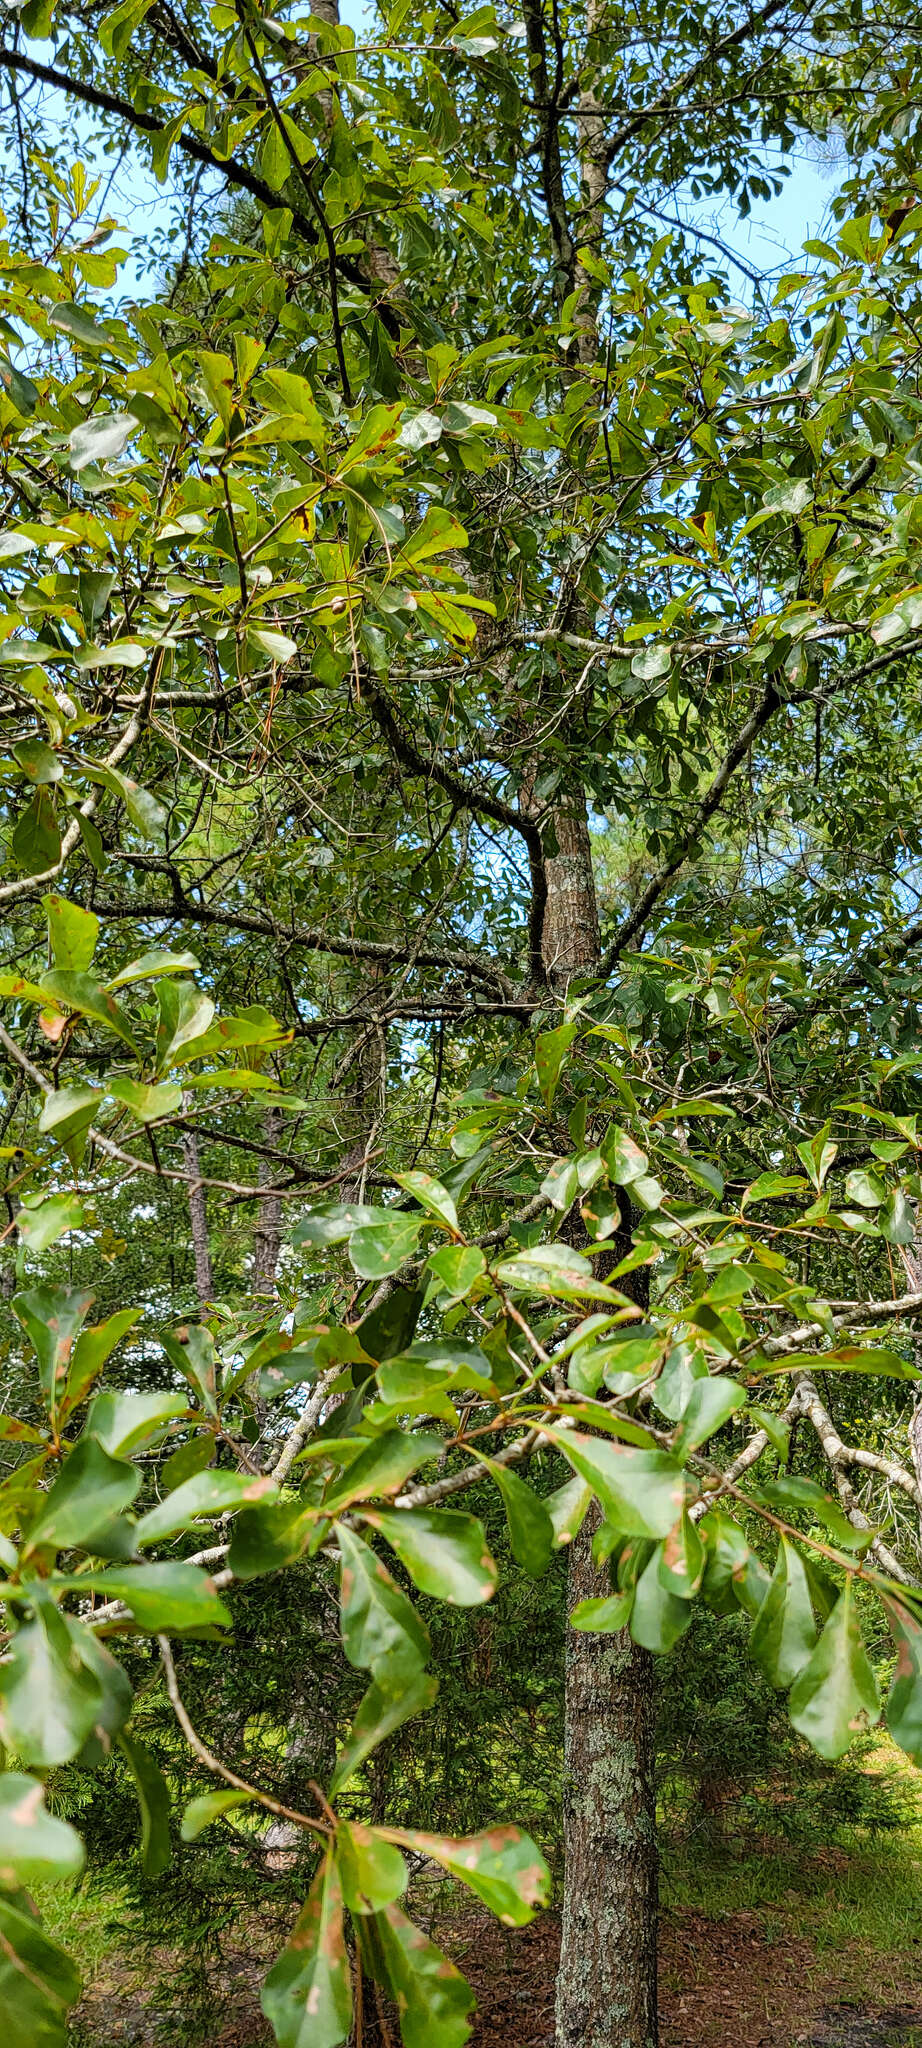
(768,1940)
(825,1953)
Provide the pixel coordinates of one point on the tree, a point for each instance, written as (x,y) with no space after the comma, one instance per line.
(439,513)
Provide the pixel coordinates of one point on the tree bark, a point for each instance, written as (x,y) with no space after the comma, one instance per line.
(198,1221)
(606,1984)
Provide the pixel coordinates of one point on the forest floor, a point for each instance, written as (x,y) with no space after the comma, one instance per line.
(766,1943)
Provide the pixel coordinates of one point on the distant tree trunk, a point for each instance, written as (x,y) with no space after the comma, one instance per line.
(267,1242)
(198,1219)
(606,1985)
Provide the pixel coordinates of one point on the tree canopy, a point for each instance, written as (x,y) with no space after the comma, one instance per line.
(460,690)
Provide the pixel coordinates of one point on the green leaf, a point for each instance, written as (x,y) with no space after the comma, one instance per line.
(867,1189)
(531,1533)
(72,933)
(185,1014)
(784,1631)
(372,1871)
(34,1845)
(162,1598)
(381,1467)
(554,1269)
(124,1423)
(38,1982)
(502,1866)
(152,966)
(567,1508)
(603,1616)
(206,1493)
(38,761)
(432,1997)
(41,1223)
(682,1560)
(209,1806)
(769,1186)
(78,324)
(90,1353)
(659,1616)
(265,1539)
(146,1102)
(444,1552)
(191,1349)
(36,840)
(641,1492)
(904,1700)
(550,1052)
(101,438)
(51,1317)
(897,1218)
(49,1701)
(81,993)
(431,1195)
(66,1115)
(91,1488)
(380,1626)
(393,1698)
(710,1404)
(154,1802)
(835,1693)
(457,1267)
(379,1248)
(877,1364)
(307,1996)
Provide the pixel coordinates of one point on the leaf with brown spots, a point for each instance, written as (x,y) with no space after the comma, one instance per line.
(503,1866)
(307,1996)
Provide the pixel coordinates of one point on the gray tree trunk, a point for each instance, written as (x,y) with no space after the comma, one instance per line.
(606,1983)
(198,1221)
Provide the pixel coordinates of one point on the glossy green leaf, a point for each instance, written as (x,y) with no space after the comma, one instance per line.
(36,839)
(457,1267)
(380,1626)
(445,1552)
(154,1803)
(379,1249)
(162,1597)
(904,1700)
(784,1630)
(835,1694)
(659,1616)
(72,933)
(206,1493)
(49,1702)
(382,1468)
(502,1866)
(372,1870)
(392,1699)
(209,1806)
(551,1048)
(641,1492)
(34,1845)
(146,1103)
(38,1982)
(307,1996)
(531,1532)
(91,1488)
(431,1995)
(79,992)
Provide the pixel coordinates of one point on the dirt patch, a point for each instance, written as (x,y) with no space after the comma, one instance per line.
(723,1984)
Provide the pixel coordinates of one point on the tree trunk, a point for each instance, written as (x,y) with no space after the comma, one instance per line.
(606,1985)
(198,1220)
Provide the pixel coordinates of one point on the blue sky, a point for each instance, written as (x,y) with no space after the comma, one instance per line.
(768,240)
